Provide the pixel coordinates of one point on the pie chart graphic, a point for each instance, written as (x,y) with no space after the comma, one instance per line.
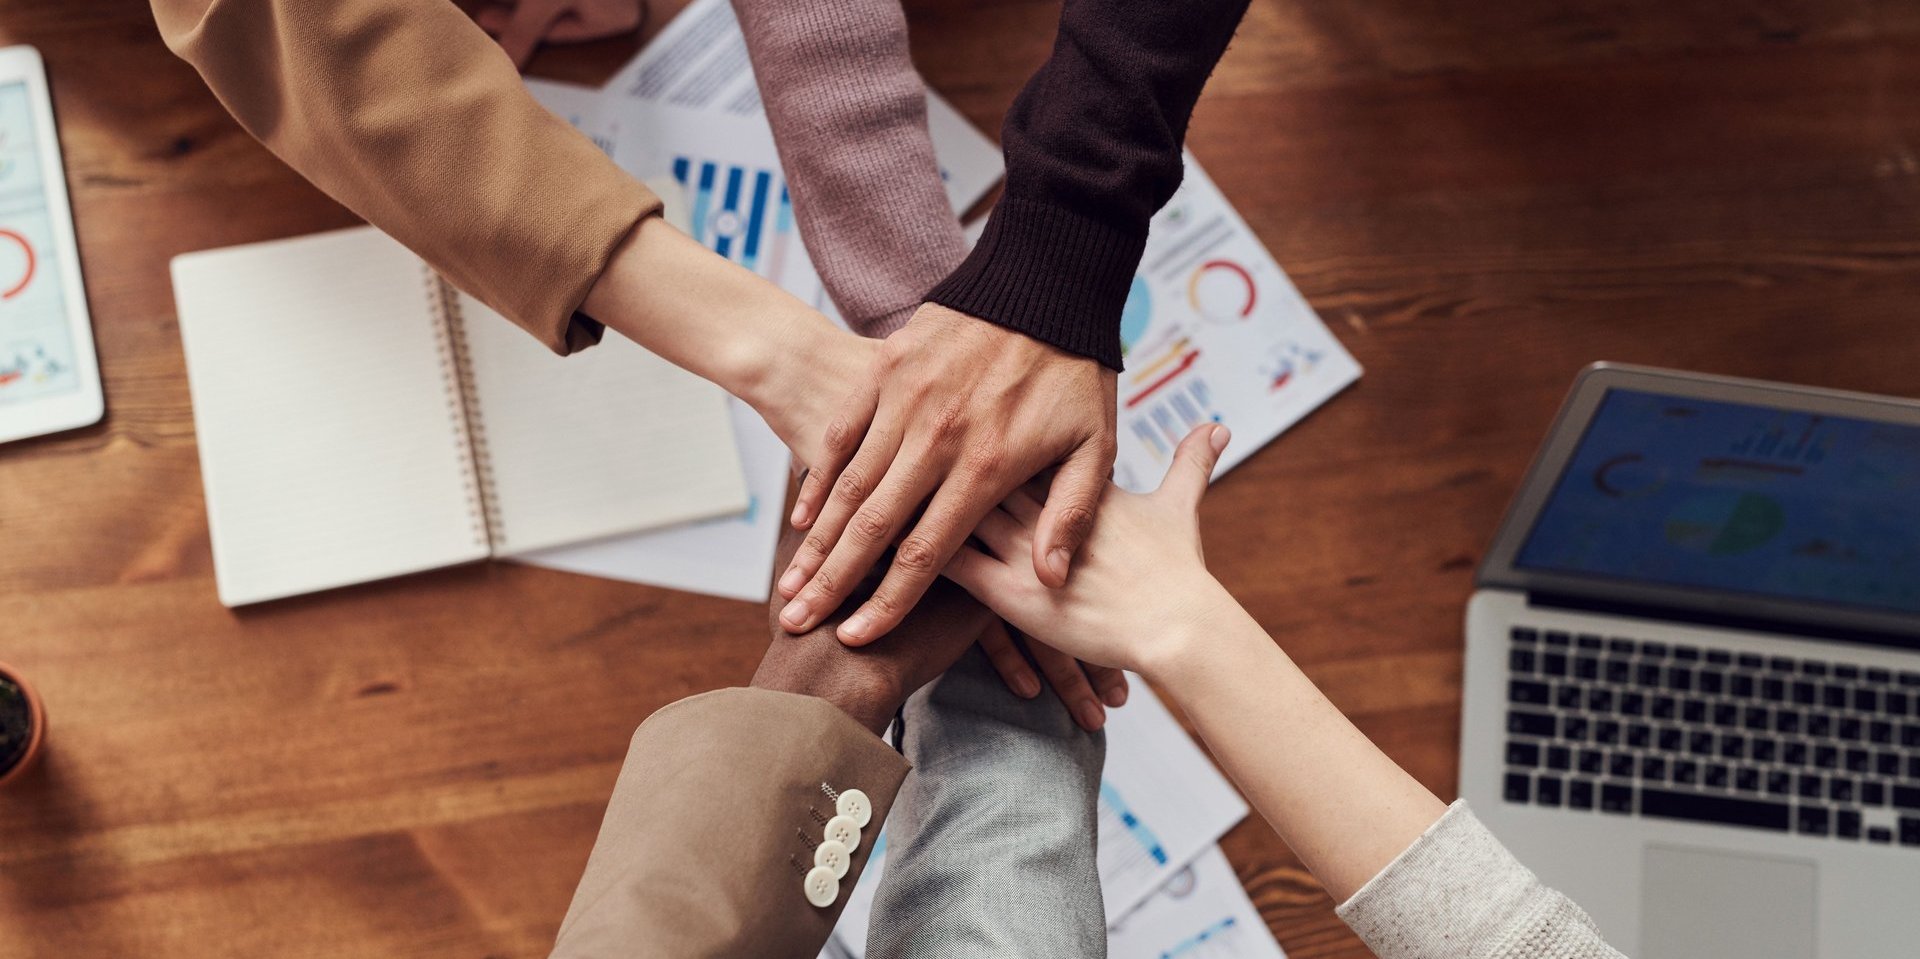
(1724,522)
(1222,290)
(22,263)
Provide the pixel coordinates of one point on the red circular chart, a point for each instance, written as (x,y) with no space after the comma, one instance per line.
(26,275)
(1245,297)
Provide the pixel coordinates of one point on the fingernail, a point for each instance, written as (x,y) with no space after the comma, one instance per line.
(1117,696)
(1026,685)
(857,626)
(1057,561)
(795,615)
(1218,439)
(1091,715)
(800,516)
(791,581)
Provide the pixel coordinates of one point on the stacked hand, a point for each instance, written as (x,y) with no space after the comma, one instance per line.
(821,364)
(955,414)
(1141,586)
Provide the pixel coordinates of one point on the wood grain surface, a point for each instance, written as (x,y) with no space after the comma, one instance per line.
(1479,198)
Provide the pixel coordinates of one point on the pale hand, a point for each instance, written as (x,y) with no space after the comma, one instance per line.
(1141,585)
(956,414)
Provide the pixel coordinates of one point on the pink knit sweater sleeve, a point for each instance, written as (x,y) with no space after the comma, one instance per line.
(849,115)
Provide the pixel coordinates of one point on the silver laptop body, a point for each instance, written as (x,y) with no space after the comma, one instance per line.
(1692,677)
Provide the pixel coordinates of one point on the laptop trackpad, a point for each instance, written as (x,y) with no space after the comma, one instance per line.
(1700,904)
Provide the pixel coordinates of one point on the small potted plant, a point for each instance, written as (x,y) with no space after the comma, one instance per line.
(23,725)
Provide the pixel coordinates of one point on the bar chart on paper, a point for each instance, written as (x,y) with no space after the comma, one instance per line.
(742,214)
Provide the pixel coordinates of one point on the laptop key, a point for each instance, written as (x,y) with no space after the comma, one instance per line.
(1574,728)
(1617,798)
(1606,732)
(1591,761)
(1873,793)
(1633,704)
(1547,791)
(1846,824)
(1663,707)
(1858,761)
(1730,810)
(1680,679)
(1686,772)
(1740,686)
(1819,725)
(1906,797)
(1525,723)
(1553,664)
(1620,765)
(1523,754)
(1528,692)
(1639,735)
(1694,710)
(1810,820)
(1794,753)
(1559,758)
(1719,657)
(1520,661)
(1910,735)
(1700,743)
(1747,779)
(1617,671)
(1579,794)
(1586,667)
(1558,638)
(1910,830)
(1688,654)
(1763,749)
(1810,786)
(1587,641)
(1716,776)
(1567,696)
(1880,732)
(1525,634)
(1755,718)
(1779,782)
(1840,789)
(1711,681)
(1653,768)
(1879,834)
(1518,788)
(1825,756)
(1670,739)
(1894,704)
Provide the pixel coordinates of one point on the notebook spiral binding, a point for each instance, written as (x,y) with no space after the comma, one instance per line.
(463,408)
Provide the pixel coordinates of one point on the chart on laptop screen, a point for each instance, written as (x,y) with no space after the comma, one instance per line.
(1746,499)
(36,349)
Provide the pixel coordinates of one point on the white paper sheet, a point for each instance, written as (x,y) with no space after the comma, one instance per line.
(1214,330)
(1200,913)
(1162,804)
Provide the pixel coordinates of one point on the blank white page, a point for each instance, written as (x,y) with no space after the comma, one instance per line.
(607,441)
(328,445)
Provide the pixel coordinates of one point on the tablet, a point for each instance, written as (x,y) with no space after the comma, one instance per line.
(49,378)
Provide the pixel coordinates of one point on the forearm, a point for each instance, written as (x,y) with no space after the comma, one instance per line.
(1343,806)
(1093,146)
(407,114)
(716,319)
(849,115)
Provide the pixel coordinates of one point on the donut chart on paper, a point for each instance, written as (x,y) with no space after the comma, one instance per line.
(15,287)
(1222,290)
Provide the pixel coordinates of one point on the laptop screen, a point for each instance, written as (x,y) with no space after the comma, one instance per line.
(1677,491)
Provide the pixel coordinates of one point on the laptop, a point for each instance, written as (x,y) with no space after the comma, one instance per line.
(1692,678)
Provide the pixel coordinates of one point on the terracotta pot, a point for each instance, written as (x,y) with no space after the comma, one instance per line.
(36,727)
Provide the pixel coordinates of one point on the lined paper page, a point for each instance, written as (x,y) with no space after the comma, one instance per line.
(328,446)
(610,440)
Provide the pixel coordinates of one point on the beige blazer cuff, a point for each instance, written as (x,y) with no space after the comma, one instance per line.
(712,825)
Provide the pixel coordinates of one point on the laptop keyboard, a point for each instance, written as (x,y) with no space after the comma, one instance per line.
(1665,731)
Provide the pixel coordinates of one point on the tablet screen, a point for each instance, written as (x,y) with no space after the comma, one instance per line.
(36,341)
(1709,494)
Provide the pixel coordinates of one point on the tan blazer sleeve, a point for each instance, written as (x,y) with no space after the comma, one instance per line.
(711,829)
(405,112)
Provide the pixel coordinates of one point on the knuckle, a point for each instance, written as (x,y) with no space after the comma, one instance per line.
(1075,523)
(916,555)
(869,526)
(950,421)
(842,435)
(883,605)
(988,460)
(826,585)
(852,486)
(813,550)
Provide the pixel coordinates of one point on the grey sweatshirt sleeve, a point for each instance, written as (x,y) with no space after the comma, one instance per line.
(1457,893)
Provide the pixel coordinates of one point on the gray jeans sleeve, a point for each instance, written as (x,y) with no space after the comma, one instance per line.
(991,840)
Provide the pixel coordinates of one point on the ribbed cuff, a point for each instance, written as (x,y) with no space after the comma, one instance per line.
(1050,273)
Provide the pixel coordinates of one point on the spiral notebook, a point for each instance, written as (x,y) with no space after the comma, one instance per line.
(359,418)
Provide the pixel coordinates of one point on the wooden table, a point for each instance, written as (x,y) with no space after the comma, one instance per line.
(1479,198)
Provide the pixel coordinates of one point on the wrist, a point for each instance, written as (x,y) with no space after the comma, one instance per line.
(868,697)
(1198,631)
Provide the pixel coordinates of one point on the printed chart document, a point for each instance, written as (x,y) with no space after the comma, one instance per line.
(685,112)
(1162,806)
(1214,331)
(1200,913)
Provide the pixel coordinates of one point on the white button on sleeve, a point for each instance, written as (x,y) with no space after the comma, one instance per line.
(835,856)
(854,805)
(822,886)
(843,830)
